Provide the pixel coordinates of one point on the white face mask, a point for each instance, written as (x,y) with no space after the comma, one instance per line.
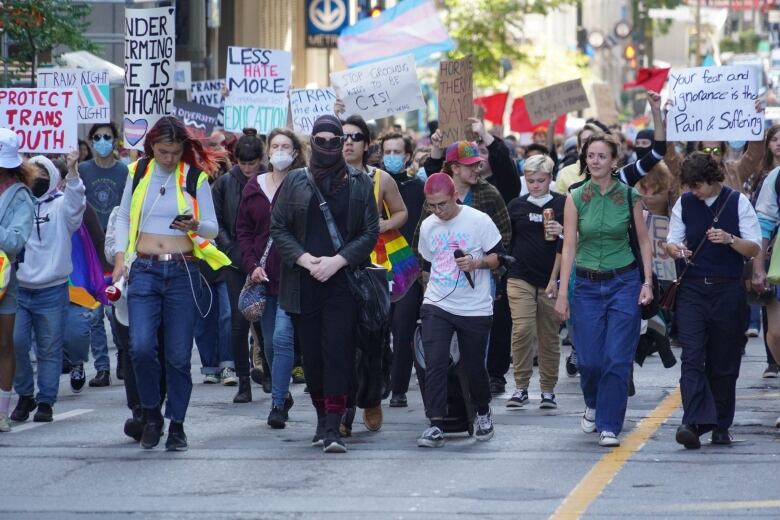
(281,160)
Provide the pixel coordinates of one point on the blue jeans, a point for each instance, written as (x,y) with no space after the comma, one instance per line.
(279,349)
(43,311)
(755,317)
(78,335)
(212,333)
(606,322)
(162,291)
(99,341)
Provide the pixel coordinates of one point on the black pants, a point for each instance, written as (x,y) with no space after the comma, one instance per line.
(403,322)
(326,333)
(712,341)
(438,326)
(500,348)
(239,327)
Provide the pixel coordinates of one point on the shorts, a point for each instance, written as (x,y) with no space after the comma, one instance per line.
(8,303)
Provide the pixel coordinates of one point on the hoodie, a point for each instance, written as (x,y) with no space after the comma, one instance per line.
(57,215)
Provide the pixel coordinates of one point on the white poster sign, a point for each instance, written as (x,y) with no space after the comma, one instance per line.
(94,94)
(46,120)
(306,105)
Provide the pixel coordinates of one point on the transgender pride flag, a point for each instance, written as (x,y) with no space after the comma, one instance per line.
(412,26)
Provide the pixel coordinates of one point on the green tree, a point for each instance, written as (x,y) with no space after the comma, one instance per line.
(476,28)
(36,27)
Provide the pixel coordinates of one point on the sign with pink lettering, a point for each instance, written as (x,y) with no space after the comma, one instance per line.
(45,119)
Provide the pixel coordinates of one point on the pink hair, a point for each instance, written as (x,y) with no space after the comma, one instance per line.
(439,183)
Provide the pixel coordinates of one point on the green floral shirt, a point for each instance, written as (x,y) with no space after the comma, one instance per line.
(602,223)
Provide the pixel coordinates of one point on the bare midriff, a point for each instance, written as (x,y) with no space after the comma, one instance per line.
(152,244)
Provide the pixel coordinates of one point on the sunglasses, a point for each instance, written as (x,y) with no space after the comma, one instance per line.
(329,142)
(356,137)
(105,137)
(435,208)
(714,151)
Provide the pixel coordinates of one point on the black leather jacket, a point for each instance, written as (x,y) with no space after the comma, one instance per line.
(227,196)
(288,228)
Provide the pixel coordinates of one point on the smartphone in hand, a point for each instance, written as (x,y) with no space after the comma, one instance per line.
(180,218)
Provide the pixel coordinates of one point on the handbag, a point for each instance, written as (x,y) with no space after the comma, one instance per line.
(392,251)
(669,298)
(648,309)
(368,284)
(251,300)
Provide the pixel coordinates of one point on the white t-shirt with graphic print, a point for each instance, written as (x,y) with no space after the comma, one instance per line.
(474,233)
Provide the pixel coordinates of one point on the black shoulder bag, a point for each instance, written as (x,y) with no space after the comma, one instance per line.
(648,309)
(368,284)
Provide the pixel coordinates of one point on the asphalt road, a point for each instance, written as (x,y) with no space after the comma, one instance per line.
(538,465)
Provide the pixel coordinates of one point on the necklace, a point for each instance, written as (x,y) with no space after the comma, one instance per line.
(162,188)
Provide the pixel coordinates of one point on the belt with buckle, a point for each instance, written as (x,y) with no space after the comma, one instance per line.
(712,280)
(600,276)
(168,257)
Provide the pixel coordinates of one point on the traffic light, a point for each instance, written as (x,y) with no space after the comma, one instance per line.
(630,54)
(375,11)
(370,8)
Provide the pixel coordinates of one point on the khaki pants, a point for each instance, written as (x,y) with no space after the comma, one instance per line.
(533,318)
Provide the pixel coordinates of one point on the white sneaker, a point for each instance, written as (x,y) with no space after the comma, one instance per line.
(5,423)
(609,440)
(751,333)
(211,379)
(432,437)
(588,421)
(483,430)
(228,377)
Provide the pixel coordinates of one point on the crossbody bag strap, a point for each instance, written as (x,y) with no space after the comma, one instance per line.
(266,252)
(335,236)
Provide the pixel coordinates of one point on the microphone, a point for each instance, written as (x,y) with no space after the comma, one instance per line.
(458,253)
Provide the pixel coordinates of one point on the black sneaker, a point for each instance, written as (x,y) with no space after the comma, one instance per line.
(571,364)
(483,427)
(153,428)
(44,413)
(277,418)
(102,378)
(548,401)
(331,442)
(772,371)
(432,437)
(518,399)
(177,439)
(77,378)
(24,406)
(497,386)
(721,436)
(398,401)
(688,436)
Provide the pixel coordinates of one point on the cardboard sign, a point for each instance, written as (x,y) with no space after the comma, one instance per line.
(45,119)
(606,110)
(149,70)
(200,119)
(663,264)
(380,89)
(182,75)
(456,100)
(94,94)
(714,104)
(307,105)
(556,100)
(258,81)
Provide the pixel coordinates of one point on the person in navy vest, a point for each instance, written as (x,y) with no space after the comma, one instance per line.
(712,337)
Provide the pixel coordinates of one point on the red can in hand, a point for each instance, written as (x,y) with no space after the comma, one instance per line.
(113,293)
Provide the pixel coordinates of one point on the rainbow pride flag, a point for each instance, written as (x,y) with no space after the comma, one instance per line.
(392,252)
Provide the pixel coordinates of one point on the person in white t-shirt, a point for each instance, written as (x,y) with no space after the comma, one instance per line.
(457,300)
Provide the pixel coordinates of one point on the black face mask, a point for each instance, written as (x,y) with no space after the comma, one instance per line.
(40,187)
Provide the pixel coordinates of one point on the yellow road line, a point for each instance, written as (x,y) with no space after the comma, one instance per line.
(600,475)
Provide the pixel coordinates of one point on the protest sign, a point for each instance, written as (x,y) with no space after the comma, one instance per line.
(606,110)
(94,94)
(45,119)
(208,92)
(556,100)
(306,105)
(258,81)
(714,104)
(663,264)
(456,102)
(149,70)
(182,75)
(380,89)
(200,119)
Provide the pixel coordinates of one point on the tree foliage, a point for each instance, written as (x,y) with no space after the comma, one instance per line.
(492,31)
(37,27)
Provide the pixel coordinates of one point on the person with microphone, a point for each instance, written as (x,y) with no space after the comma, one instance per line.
(459,245)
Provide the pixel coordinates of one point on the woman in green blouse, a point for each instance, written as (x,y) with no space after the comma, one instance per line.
(608,288)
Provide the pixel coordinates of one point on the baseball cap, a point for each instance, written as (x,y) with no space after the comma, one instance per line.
(9,149)
(463,152)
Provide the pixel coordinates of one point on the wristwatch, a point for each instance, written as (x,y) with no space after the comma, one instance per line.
(731,242)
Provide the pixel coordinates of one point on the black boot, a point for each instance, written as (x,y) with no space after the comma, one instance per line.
(319,435)
(244,394)
(153,428)
(332,442)
(134,427)
(24,406)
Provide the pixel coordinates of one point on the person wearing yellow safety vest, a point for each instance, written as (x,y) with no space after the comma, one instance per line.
(165,222)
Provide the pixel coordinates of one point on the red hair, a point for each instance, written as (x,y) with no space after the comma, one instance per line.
(439,183)
(168,129)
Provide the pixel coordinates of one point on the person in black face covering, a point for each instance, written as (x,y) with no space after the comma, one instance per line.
(313,287)
(643,143)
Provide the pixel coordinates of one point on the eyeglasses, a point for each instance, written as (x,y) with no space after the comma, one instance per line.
(435,208)
(714,151)
(356,137)
(329,142)
(105,137)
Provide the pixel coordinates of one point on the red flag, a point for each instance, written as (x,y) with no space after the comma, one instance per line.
(650,79)
(520,121)
(494,106)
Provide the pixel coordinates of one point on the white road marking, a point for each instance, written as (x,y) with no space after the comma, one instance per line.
(57,417)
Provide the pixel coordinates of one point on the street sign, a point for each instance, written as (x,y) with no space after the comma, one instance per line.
(325,20)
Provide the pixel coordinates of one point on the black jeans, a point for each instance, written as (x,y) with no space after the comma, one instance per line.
(239,327)
(403,322)
(438,326)
(500,349)
(712,344)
